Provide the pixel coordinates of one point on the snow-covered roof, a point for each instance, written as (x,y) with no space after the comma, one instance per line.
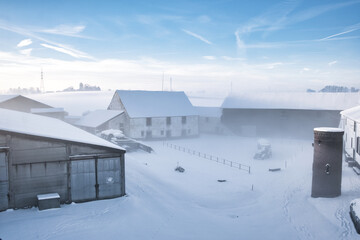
(46,110)
(156,103)
(36,125)
(96,118)
(352,113)
(4,98)
(306,101)
(209,111)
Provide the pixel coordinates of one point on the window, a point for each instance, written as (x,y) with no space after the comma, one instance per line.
(354,126)
(183,120)
(358,145)
(168,121)
(148,121)
(142,133)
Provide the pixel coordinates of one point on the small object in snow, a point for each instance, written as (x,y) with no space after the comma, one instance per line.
(274,169)
(179,169)
(221,180)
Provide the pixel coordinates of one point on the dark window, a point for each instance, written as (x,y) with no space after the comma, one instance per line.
(183,120)
(168,121)
(183,132)
(358,145)
(148,121)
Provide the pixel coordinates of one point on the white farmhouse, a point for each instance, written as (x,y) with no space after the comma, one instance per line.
(350,122)
(156,114)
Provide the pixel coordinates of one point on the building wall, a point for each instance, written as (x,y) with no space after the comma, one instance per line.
(349,137)
(40,166)
(160,129)
(279,122)
(211,125)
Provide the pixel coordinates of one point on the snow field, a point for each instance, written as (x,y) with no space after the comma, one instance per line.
(164,204)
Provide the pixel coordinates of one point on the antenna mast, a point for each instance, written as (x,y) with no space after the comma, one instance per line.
(42,86)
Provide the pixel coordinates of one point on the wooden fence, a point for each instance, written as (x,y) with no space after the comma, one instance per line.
(209,157)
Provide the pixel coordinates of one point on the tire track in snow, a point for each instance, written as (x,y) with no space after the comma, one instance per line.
(345,223)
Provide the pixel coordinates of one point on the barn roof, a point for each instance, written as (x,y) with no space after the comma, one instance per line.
(96,118)
(36,125)
(304,101)
(4,98)
(352,113)
(156,103)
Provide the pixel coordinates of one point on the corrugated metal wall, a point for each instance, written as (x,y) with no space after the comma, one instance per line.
(4,181)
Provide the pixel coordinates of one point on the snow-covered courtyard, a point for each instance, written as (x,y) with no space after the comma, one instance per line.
(165,204)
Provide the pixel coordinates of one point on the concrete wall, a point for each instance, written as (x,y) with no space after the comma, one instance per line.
(279,122)
(39,166)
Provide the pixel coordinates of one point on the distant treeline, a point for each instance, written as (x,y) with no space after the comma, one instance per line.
(32,90)
(335,89)
(82,87)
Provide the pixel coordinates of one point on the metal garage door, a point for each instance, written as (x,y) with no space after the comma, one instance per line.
(83,180)
(109,177)
(4,181)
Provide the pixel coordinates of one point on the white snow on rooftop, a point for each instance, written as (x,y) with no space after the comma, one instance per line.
(4,98)
(98,117)
(46,110)
(156,103)
(35,125)
(76,103)
(309,101)
(352,113)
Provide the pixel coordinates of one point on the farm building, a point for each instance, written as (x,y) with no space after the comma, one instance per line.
(350,122)
(292,115)
(41,155)
(100,120)
(24,104)
(156,114)
(210,120)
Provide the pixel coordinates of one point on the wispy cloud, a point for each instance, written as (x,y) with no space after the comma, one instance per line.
(283,15)
(209,57)
(197,36)
(26,52)
(332,63)
(48,44)
(347,30)
(66,50)
(227,58)
(65,30)
(24,43)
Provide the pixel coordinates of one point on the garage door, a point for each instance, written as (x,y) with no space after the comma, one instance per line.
(109,177)
(4,181)
(83,180)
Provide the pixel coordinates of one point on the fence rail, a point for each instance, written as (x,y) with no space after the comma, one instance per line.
(217,159)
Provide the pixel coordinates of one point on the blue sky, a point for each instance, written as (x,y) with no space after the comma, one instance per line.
(203,46)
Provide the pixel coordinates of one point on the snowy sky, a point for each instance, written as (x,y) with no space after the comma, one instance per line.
(204,46)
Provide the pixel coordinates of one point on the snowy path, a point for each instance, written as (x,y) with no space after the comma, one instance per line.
(164,204)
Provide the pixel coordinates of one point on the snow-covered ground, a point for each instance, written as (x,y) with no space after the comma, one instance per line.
(164,204)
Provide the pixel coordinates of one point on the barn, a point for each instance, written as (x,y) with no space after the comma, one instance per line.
(350,122)
(156,114)
(210,120)
(100,120)
(293,115)
(25,104)
(41,155)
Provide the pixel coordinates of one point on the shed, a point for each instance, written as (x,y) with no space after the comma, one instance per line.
(25,104)
(100,120)
(41,155)
(293,115)
(156,114)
